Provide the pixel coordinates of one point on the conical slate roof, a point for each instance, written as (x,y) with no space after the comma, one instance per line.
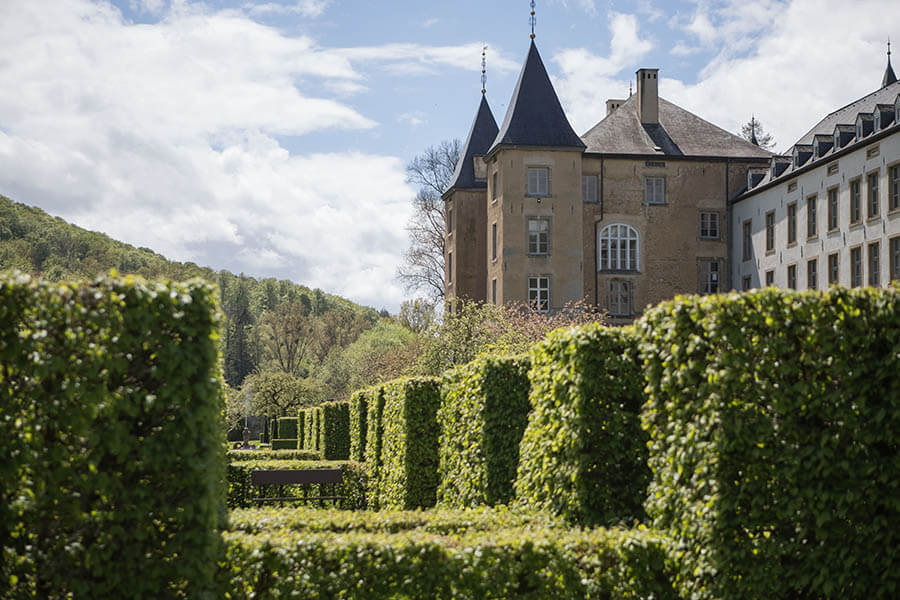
(483,132)
(889,76)
(535,117)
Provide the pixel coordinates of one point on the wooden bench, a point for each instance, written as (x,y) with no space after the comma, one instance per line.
(298,477)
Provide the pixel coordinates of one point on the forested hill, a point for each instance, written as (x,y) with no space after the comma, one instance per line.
(37,243)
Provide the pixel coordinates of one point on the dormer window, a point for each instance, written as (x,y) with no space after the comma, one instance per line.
(823,144)
(864,125)
(843,135)
(877,121)
(802,152)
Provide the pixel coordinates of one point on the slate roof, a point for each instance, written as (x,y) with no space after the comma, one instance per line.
(535,117)
(483,132)
(889,76)
(848,114)
(678,133)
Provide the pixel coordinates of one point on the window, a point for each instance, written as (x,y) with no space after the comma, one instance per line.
(834,261)
(833,167)
(811,216)
(894,178)
(539,293)
(747,283)
(619,249)
(494,186)
(832,209)
(538,181)
(494,290)
(792,277)
(812,274)
(618,298)
(855,267)
(493,241)
(709,276)
(770,231)
(792,223)
(872,195)
(895,258)
(449,221)
(449,267)
(709,226)
(589,189)
(538,237)
(748,240)
(770,278)
(874,264)
(855,213)
(655,190)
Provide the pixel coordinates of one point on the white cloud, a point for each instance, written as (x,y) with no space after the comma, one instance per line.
(415,118)
(418,59)
(430,22)
(589,80)
(153,7)
(304,8)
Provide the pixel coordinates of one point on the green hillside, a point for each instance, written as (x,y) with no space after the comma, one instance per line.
(42,245)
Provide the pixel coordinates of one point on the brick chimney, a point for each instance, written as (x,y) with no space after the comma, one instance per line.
(648,95)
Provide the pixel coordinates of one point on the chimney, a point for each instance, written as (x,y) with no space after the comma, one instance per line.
(612,105)
(648,95)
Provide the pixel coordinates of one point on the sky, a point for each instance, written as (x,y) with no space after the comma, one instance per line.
(271,137)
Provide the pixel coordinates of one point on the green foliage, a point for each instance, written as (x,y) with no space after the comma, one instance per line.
(533,562)
(336,431)
(374,443)
(359,403)
(257,455)
(241,493)
(105,389)
(583,454)
(287,427)
(317,428)
(301,429)
(408,476)
(483,413)
(774,421)
(284,443)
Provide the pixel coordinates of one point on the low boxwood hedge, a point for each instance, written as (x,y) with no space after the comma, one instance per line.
(242,455)
(279,444)
(287,428)
(483,413)
(584,454)
(241,493)
(774,419)
(523,563)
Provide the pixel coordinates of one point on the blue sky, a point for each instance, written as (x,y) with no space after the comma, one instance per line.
(270,136)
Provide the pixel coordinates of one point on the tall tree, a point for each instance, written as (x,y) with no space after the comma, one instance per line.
(753,131)
(423,260)
(288,332)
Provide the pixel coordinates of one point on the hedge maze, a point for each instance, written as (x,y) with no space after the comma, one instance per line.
(731,446)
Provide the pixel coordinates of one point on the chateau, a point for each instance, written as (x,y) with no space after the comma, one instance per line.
(654,201)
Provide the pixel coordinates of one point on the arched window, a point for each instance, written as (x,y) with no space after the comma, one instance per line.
(619,248)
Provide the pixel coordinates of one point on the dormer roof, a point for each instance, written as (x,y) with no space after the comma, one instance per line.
(848,114)
(482,134)
(535,116)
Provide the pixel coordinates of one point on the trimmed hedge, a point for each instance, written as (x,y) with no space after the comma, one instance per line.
(317,429)
(301,429)
(241,493)
(524,563)
(336,431)
(308,435)
(287,428)
(284,444)
(242,455)
(358,412)
(584,454)
(409,473)
(374,443)
(774,419)
(112,470)
(483,413)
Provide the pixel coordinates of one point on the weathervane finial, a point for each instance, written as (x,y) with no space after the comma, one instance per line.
(533,19)
(483,70)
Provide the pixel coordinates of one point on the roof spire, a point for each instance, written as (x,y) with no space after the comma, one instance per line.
(483,70)
(533,19)
(889,76)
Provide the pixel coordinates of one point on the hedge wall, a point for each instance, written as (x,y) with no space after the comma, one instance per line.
(317,429)
(358,413)
(309,436)
(241,493)
(774,419)
(242,455)
(374,444)
(301,428)
(284,444)
(524,563)
(409,473)
(287,428)
(584,454)
(483,413)
(105,388)
(336,431)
